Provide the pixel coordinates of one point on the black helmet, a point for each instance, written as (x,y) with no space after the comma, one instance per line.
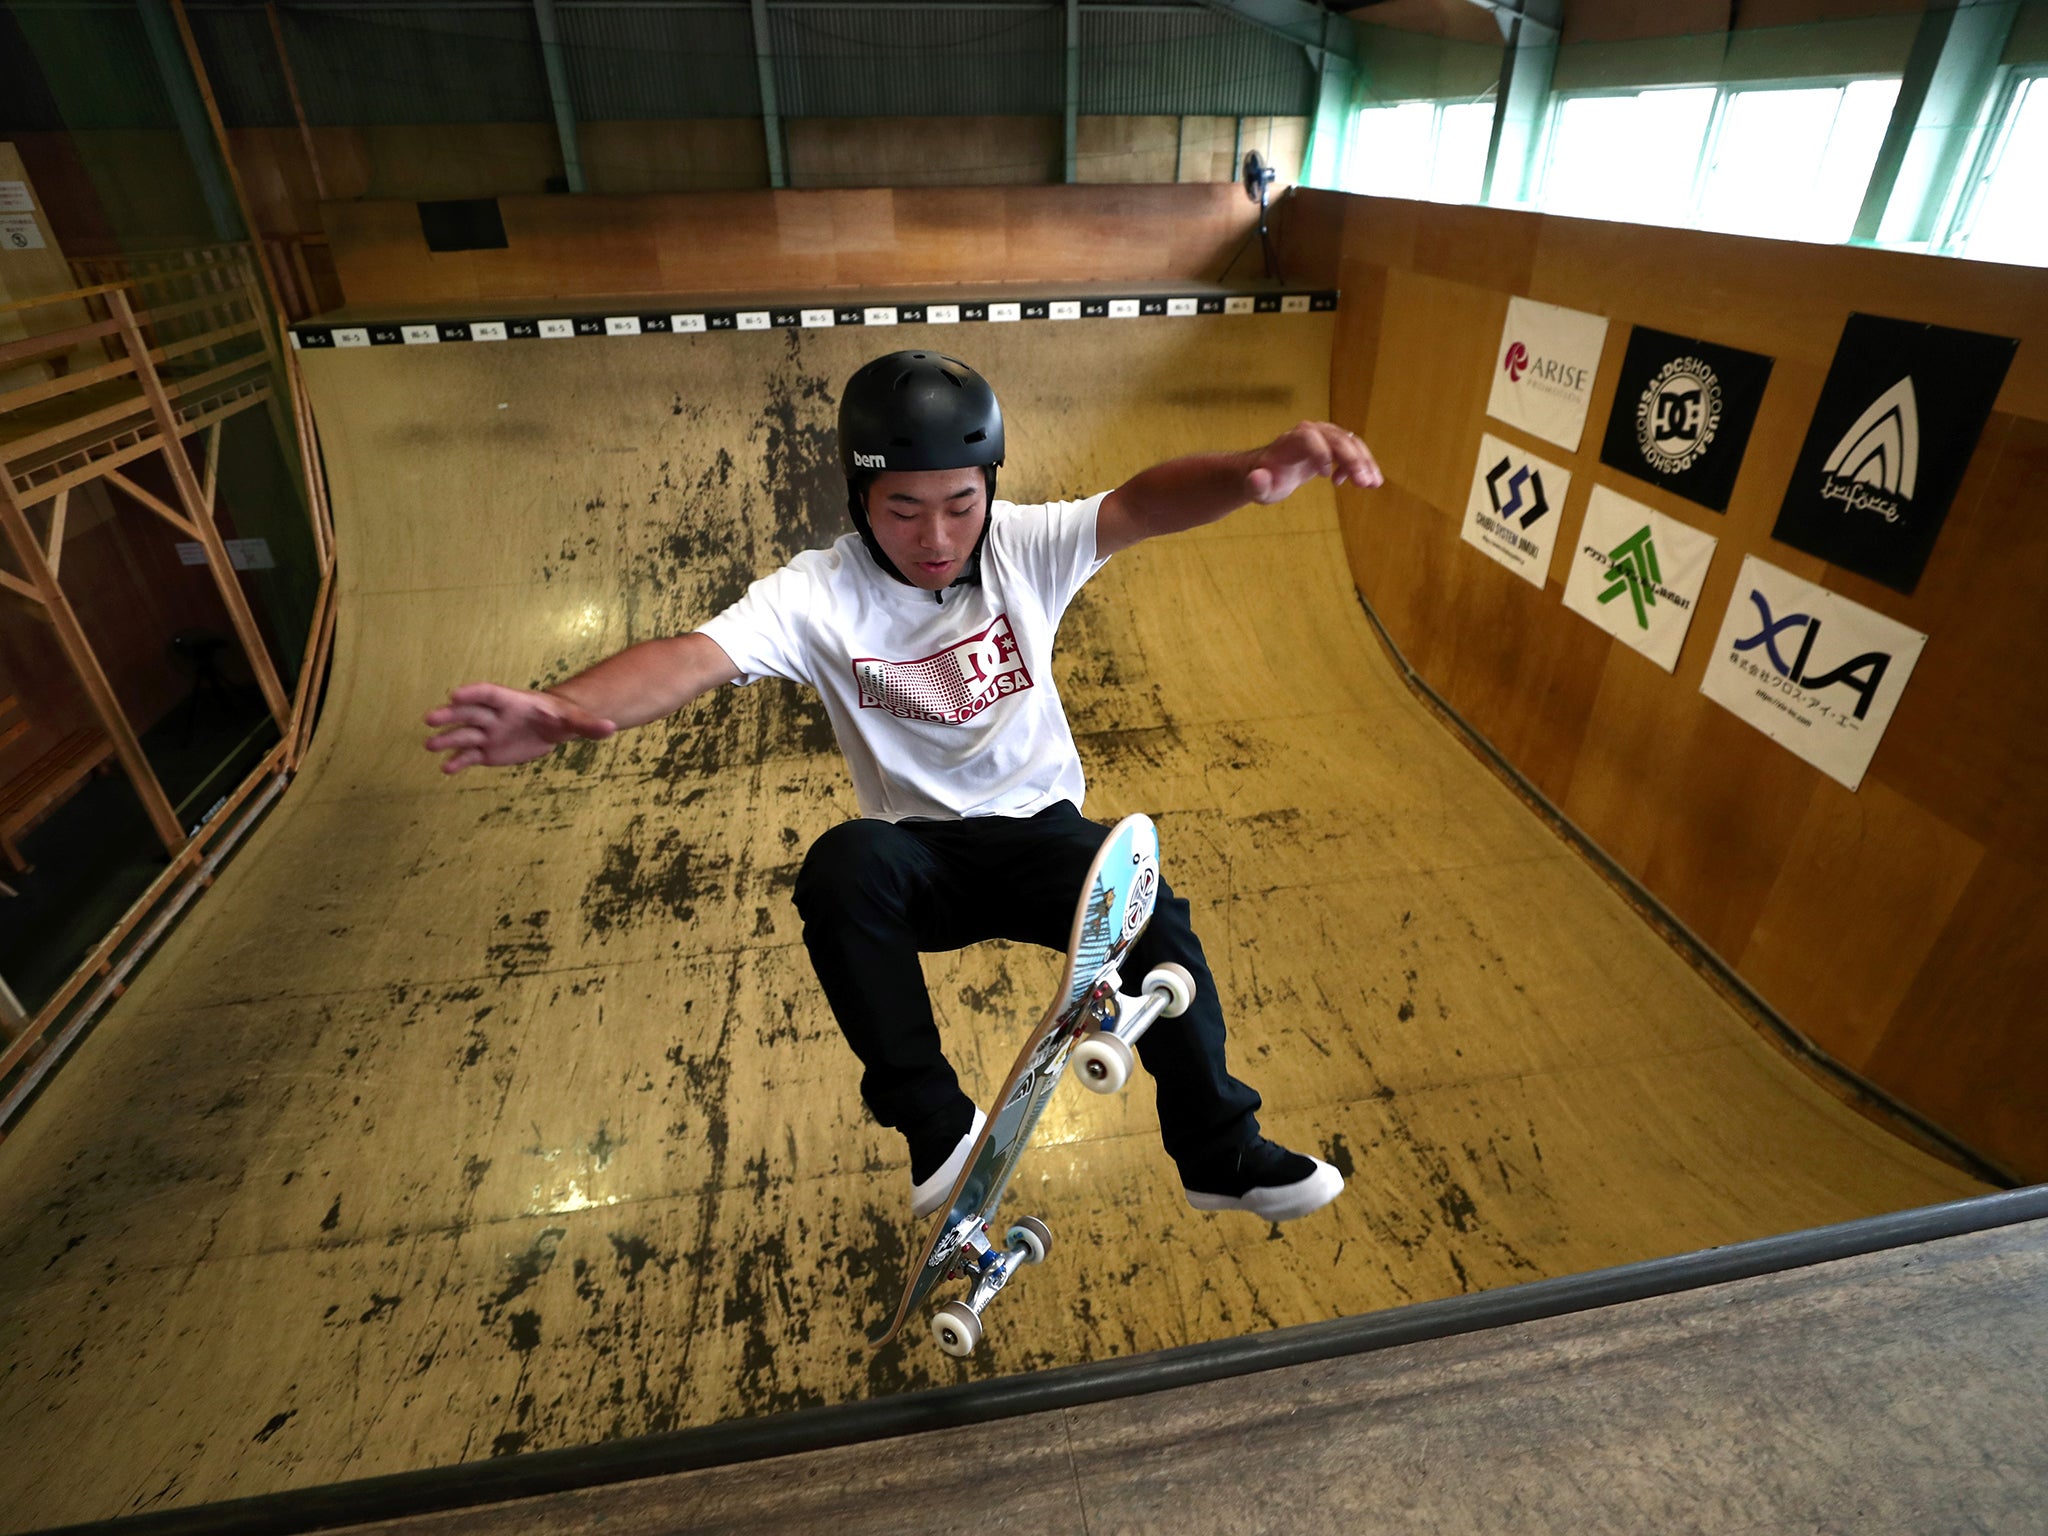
(917,410)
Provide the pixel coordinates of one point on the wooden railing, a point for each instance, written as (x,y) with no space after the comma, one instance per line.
(166,353)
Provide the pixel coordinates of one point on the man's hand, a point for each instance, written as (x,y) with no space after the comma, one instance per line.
(496,727)
(1298,456)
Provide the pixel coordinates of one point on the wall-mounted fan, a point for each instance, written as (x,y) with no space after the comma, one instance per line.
(1256,176)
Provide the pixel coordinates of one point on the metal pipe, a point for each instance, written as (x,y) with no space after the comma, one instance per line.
(771,114)
(558,93)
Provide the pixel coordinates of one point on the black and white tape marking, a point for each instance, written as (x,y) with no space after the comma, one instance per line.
(386,333)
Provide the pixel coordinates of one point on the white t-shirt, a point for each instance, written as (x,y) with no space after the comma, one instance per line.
(943,709)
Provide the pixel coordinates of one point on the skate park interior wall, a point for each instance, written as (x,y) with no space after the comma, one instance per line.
(1903,928)
(879,238)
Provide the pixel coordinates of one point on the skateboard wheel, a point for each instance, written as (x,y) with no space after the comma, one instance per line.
(956,1329)
(1033,1236)
(1103,1063)
(1175,981)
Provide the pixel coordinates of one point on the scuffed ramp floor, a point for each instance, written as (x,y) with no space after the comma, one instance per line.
(1897,1391)
(479,1116)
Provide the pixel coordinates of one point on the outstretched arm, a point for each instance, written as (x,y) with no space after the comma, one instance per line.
(1185,493)
(485,724)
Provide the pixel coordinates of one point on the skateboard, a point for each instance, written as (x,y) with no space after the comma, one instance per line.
(1089,1021)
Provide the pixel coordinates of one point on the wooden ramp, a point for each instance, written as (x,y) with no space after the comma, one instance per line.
(490,1115)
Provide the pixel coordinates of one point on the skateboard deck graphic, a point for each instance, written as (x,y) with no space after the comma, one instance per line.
(1115,904)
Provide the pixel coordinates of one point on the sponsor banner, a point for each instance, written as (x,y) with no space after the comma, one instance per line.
(1682,414)
(1813,671)
(1514,507)
(1637,574)
(1543,372)
(1898,419)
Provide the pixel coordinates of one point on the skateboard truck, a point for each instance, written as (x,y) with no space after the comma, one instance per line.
(956,1326)
(1103,1060)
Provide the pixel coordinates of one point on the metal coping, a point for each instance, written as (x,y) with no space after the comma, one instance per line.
(823,316)
(537,1473)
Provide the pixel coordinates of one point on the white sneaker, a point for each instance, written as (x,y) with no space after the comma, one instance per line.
(927,1198)
(1268,1181)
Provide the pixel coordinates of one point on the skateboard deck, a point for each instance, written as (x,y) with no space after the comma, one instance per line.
(1115,904)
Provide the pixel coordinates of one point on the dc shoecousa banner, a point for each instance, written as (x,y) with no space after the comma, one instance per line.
(1543,372)
(1682,413)
(1516,502)
(1815,672)
(1898,419)
(1637,574)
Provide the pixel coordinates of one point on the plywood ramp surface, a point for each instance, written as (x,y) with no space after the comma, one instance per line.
(479,1116)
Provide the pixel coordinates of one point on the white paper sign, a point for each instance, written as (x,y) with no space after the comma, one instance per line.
(1637,574)
(15,197)
(1514,507)
(1543,370)
(243,554)
(1813,671)
(18,232)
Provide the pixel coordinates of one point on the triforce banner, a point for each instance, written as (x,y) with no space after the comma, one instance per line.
(1898,419)
(1812,671)
(1682,413)
(1543,372)
(1637,574)
(1514,507)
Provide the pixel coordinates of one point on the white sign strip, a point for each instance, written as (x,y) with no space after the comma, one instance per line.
(421,335)
(1294,304)
(753,320)
(622,325)
(1064,309)
(487,330)
(1123,309)
(880,314)
(1183,307)
(1005,312)
(351,336)
(942,314)
(817,319)
(681,323)
(1242,304)
(1816,673)
(1543,371)
(556,330)
(1637,574)
(1514,507)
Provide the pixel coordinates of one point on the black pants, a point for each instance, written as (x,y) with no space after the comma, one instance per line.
(873,894)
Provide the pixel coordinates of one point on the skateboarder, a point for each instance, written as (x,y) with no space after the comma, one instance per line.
(928,634)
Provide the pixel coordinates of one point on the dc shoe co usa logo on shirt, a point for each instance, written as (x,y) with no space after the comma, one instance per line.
(950,687)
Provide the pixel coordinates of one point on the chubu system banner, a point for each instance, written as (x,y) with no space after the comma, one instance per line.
(1811,670)
(1682,414)
(1543,372)
(1514,507)
(1898,419)
(1637,574)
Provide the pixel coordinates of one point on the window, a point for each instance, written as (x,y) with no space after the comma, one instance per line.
(1793,163)
(2005,217)
(1421,149)
(1788,162)
(1632,157)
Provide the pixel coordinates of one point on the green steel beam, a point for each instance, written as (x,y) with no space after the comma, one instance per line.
(771,115)
(558,93)
(1073,91)
(1949,75)
(1528,59)
(167,49)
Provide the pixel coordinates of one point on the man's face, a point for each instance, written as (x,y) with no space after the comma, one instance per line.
(928,521)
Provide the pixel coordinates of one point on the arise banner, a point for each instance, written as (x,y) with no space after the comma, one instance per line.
(1813,671)
(1513,510)
(1543,372)
(1637,574)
